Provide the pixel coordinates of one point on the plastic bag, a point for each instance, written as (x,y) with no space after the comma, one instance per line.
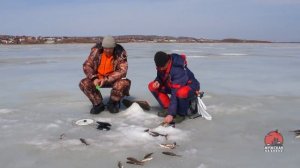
(202,109)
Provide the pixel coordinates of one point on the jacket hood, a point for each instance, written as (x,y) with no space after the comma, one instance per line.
(178,60)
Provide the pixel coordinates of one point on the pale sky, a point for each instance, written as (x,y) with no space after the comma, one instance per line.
(274,20)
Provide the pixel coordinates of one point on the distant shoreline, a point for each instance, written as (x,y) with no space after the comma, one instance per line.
(9,39)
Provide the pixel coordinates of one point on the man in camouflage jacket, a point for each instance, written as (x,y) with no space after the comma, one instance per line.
(115,79)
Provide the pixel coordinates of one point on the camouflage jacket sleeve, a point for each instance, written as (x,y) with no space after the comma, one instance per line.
(121,68)
(89,66)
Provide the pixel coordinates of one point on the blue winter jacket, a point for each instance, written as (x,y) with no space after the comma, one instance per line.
(178,76)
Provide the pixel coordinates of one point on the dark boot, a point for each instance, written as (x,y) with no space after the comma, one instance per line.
(97,109)
(178,119)
(193,109)
(113,106)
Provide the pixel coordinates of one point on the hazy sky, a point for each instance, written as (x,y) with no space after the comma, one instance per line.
(276,20)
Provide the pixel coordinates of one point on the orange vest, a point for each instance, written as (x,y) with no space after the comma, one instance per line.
(106,65)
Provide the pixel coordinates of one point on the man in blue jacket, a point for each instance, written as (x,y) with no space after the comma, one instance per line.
(173,77)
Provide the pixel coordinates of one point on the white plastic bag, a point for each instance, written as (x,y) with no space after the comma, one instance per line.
(202,109)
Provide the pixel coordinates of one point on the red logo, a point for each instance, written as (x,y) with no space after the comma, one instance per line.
(274,142)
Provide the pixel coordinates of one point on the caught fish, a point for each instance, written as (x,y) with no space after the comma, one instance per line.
(156,134)
(297,133)
(62,136)
(134,160)
(168,146)
(84,141)
(172,124)
(120,165)
(195,116)
(135,163)
(147,157)
(171,154)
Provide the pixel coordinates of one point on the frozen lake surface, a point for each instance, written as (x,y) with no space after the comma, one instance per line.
(251,89)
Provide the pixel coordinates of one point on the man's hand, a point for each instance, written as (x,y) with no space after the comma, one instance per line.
(99,82)
(200,93)
(102,82)
(96,82)
(168,119)
(156,85)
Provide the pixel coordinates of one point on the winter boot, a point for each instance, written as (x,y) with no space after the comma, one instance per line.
(178,119)
(97,109)
(113,106)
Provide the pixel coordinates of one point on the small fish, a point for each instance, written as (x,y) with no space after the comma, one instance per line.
(120,165)
(132,159)
(171,154)
(62,136)
(195,116)
(296,131)
(147,157)
(156,134)
(164,135)
(135,163)
(152,133)
(83,141)
(172,124)
(168,146)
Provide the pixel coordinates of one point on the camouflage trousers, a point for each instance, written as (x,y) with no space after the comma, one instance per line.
(120,88)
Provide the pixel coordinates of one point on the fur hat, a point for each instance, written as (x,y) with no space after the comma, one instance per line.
(108,42)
